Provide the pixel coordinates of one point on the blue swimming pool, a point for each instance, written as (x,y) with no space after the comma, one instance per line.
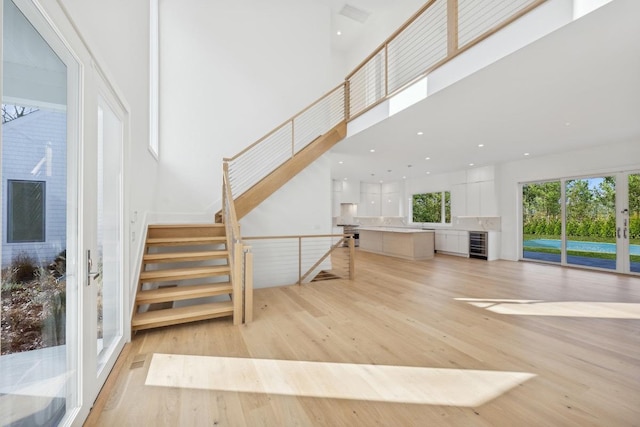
(606,248)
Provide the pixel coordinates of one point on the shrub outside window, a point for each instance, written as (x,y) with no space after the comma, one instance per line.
(432,207)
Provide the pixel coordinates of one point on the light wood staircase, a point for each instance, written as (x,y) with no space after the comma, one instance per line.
(183,263)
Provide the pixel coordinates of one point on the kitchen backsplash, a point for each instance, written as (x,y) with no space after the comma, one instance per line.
(472,223)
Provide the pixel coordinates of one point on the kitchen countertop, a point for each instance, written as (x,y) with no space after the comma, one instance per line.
(395,230)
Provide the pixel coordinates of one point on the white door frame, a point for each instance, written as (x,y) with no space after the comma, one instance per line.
(86,81)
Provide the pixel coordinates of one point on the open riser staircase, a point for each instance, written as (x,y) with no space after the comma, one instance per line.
(182,266)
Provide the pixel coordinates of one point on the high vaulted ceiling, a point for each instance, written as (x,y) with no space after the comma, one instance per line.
(577,87)
(385,14)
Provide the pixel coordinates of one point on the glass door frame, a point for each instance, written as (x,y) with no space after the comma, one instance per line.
(107,99)
(86,82)
(623,262)
(42,23)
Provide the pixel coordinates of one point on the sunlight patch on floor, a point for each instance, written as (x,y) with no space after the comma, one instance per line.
(404,384)
(606,310)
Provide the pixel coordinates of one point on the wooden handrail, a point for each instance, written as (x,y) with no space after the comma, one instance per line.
(296,236)
(331,249)
(228,198)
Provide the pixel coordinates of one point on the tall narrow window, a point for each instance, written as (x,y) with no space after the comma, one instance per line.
(154,80)
(26,211)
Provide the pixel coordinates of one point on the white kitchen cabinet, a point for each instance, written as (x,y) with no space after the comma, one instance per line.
(390,204)
(370,205)
(336,197)
(493,245)
(350,192)
(459,200)
(481,199)
(473,199)
(454,242)
(488,201)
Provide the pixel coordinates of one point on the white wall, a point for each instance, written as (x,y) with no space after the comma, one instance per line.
(378,27)
(302,206)
(117,32)
(589,161)
(229,73)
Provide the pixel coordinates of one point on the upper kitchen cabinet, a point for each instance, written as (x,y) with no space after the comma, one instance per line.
(390,204)
(390,198)
(370,200)
(345,192)
(480,191)
(350,192)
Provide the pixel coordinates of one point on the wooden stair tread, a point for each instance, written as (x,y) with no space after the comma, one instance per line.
(177,241)
(187,225)
(173,316)
(177,293)
(183,256)
(183,273)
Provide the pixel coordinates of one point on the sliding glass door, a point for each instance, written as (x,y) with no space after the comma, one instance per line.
(630,219)
(592,222)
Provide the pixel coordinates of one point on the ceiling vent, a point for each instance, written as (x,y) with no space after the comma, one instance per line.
(354,13)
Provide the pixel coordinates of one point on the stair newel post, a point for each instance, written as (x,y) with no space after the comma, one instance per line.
(347,100)
(236,282)
(452,27)
(248,284)
(352,258)
(299,260)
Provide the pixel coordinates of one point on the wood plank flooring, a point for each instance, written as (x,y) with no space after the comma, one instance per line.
(401,313)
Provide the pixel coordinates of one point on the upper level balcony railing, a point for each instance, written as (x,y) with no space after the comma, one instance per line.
(437,33)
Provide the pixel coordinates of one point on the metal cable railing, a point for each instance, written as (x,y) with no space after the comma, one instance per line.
(438,32)
(421,45)
(261,158)
(285,260)
(477,17)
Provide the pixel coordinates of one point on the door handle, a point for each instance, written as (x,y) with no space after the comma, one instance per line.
(91,274)
(618,232)
(625,232)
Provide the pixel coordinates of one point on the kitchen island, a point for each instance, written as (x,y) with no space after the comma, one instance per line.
(408,243)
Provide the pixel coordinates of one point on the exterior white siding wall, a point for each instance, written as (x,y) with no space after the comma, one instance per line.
(25,143)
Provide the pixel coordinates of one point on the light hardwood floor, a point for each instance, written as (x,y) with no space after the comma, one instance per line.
(585,370)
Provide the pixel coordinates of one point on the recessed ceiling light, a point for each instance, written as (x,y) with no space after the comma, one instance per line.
(420,133)
(526,154)
(373,150)
(428,173)
(404,177)
(339,32)
(341,162)
(480,145)
(427,158)
(470,164)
